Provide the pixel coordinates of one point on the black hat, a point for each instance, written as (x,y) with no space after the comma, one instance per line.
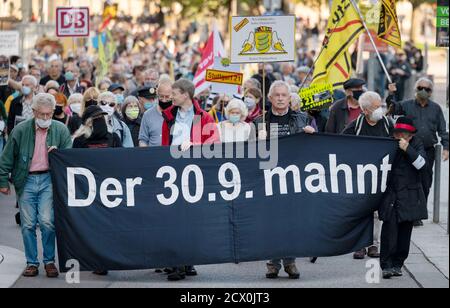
(148,92)
(92,112)
(405,125)
(354,83)
(116,86)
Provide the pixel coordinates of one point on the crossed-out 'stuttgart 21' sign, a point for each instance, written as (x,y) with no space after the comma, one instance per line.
(72,22)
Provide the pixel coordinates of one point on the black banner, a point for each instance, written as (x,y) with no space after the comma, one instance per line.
(126,209)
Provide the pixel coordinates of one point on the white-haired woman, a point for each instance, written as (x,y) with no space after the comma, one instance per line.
(235,129)
(75,103)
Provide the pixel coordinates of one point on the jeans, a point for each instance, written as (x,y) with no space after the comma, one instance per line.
(286,262)
(36,206)
(2,142)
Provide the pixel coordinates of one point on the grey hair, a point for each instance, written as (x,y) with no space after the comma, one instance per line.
(236,104)
(255,83)
(51,84)
(130,99)
(85,130)
(427,80)
(109,96)
(75,98)
(367,99)
(30,78)
(278,84)
(43,100)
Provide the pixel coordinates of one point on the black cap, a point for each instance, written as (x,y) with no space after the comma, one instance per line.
(405,125)
(147,92)
(92,112)
(116,86)
(354,83)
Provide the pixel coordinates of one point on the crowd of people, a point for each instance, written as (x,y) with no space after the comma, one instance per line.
(148,99)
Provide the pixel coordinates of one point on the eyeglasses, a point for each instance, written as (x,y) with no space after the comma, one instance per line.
(108,103)
(425,89)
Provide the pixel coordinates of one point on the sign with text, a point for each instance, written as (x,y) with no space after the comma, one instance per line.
(164,207)
(261,39)
(72,22)
(4,70)
(9,43)
(316,97)
(442,24)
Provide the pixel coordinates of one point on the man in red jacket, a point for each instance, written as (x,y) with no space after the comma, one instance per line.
(186,124)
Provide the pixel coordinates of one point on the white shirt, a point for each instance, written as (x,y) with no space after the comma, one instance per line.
(234,133)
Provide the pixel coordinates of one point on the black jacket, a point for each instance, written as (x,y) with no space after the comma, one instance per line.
(135,127)
(339,117)
(405,193)
(299,120)
(15,110)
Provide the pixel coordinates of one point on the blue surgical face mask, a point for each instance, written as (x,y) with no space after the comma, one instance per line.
(69,76)
(235,119)
(26,90)
(120,99)
(149,105)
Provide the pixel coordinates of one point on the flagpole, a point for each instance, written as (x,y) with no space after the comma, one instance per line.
(264,94)
(371,40)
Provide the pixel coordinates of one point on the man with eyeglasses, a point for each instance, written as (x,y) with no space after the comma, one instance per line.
(429,120)
(26,158)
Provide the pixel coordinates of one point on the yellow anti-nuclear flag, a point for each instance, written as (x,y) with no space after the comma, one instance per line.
(344,27)
(388,29)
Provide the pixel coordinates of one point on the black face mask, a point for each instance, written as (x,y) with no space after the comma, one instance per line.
(100,129)
(358,94)
(90,103)
(59,110)
(165,105)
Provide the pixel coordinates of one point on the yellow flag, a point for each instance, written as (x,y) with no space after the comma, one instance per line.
(388,29)
(110,11)
(344,27)
(102,58)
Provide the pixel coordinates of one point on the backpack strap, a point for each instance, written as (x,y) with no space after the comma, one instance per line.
(359,124)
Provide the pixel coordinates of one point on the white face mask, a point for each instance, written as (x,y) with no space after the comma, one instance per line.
(108,109)
(250,102)
(377,115)
(76,108)
(44,124)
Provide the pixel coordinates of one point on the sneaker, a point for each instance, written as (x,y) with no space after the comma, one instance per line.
(51,270)
(373,252)
(397,272)
(360,255)
(292,271)
(272,272)
(31,271)
(176,275)
(191,271)
(418,223)
(101,273)
(388,274)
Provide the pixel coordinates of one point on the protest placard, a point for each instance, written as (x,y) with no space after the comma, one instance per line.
(261,39)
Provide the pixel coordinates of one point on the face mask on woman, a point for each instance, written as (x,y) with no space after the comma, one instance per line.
(250,102)
(132,113)
(235,118)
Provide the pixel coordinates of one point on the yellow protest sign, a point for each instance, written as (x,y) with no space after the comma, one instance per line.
(234,78)
(316,97)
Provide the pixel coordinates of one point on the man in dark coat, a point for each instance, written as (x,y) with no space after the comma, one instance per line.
(404,201)
(346,110)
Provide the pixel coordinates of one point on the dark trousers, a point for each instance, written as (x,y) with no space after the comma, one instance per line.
(395,243)
(427,177)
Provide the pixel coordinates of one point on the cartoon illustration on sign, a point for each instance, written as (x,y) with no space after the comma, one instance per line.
(263,41)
